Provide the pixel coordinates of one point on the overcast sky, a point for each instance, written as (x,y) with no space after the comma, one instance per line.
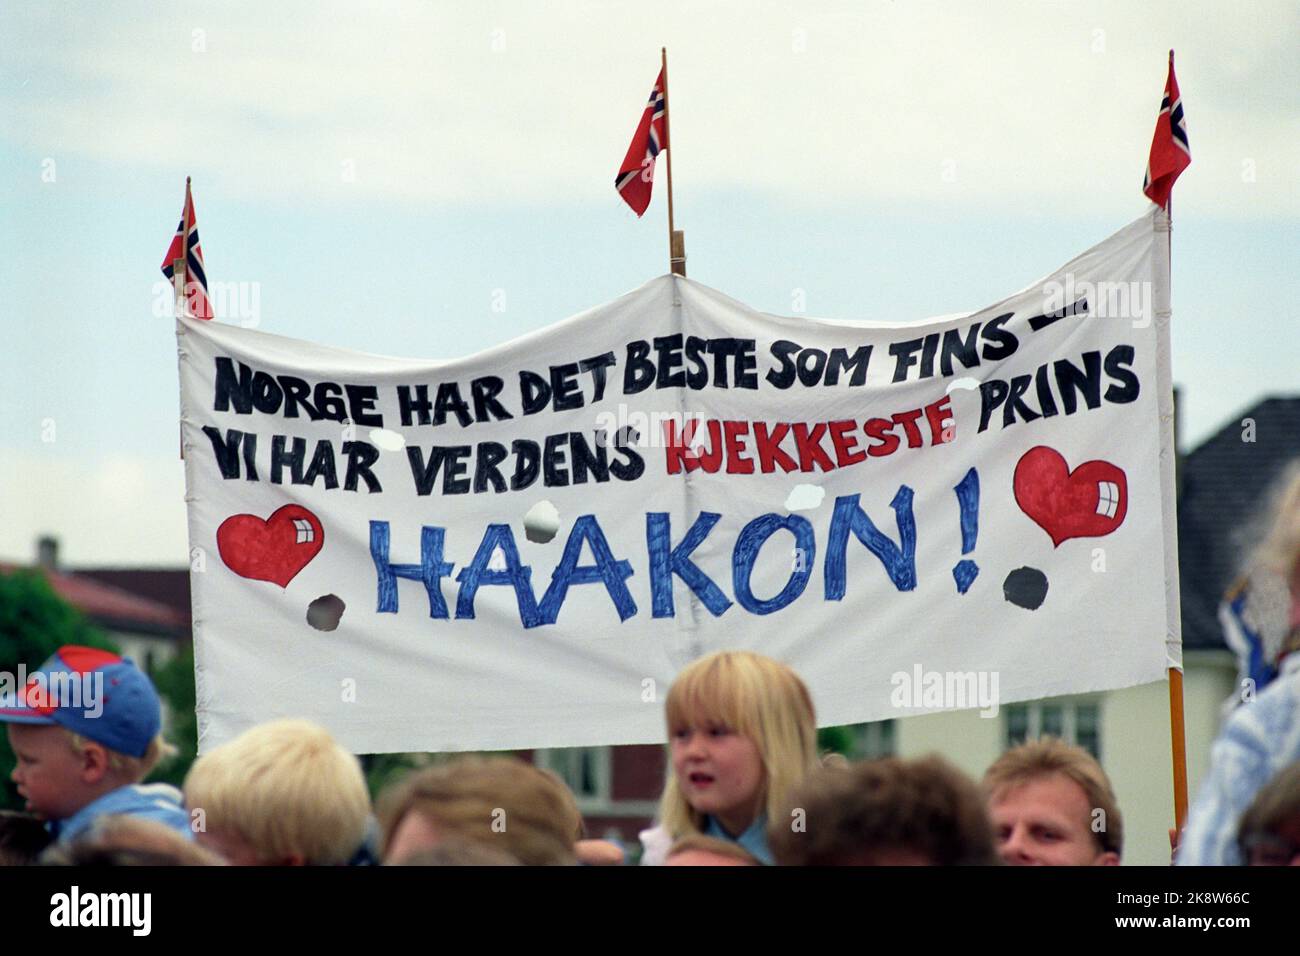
(384,176)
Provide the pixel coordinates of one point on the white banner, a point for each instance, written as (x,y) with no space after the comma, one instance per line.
(985,497)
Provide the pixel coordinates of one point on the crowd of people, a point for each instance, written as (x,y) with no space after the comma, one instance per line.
(746,786)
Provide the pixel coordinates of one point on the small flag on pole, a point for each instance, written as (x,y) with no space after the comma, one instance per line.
(195,279)
(1170,154)
(635,177)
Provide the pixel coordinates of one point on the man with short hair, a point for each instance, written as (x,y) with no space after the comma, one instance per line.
(1052,805)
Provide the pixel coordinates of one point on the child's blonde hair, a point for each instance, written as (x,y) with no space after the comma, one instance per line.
(288,789)
(133,768)
(757,697)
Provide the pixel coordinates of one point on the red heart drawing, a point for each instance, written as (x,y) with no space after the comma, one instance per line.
(1088,502)
(272,550)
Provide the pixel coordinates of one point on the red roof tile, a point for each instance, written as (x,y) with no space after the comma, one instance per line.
(106,603)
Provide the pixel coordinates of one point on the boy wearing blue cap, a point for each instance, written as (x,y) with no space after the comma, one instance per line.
(85,730)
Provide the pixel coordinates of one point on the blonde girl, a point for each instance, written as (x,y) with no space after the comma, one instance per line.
(741,736)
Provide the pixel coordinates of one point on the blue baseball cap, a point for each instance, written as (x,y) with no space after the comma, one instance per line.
(102,697)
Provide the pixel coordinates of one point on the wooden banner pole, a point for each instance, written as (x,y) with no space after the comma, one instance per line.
(1177,719)
(180,265)
(181,274)
(676,240)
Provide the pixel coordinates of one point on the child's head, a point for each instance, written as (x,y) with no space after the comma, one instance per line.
(698,850)
(499,802)
(281,793)
(887,812)
(1269,832)
(129,841)
(741,734)
(86,723)
(58,772)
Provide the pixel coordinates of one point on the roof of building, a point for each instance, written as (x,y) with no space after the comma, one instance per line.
(113,607)
(170,586)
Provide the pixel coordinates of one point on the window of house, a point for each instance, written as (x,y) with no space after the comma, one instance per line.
(1074,721)
(873,740)
(584,770)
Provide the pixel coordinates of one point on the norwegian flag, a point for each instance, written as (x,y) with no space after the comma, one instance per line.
(1170,153)
(635,177)
(196,279)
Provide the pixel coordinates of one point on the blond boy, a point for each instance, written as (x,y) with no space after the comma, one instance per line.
(281,794)
(84,729)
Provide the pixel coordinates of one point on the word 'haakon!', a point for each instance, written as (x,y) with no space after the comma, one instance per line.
(666,559)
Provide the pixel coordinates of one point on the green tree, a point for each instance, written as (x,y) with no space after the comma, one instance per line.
(384,770)
(175,683)
(34,623)
(837,740)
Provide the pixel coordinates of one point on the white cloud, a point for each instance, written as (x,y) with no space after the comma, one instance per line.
(120,510)
(1044,107)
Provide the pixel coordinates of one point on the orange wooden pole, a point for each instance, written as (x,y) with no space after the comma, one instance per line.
(1177,720)
(1178,741)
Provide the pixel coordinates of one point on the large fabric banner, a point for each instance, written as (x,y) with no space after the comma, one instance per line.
(521,548)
